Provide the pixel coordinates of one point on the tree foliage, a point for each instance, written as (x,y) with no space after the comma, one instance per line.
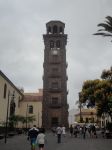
(15,119)
(98,92)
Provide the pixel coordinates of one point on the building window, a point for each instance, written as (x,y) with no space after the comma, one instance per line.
(54,100)
(5,90)
(49,30)
(51,44)
(55,29)
(30,109)
(58,44)
(54,85)
(61,30)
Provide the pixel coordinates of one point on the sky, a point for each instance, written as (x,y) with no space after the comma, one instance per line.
(22,25)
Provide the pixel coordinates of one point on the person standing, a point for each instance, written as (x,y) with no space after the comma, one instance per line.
(84,131)
(59,132)
(64,131)
(75,131)
(41,139)
(71,130)
(32,135)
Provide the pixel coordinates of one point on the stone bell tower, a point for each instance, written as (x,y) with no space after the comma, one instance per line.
(55,107)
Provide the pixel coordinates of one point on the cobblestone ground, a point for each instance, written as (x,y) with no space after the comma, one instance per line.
(68,143)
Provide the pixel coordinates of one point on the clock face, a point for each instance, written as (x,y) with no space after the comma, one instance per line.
(55,52)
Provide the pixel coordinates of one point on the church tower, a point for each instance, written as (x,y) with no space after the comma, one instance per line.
(55,107)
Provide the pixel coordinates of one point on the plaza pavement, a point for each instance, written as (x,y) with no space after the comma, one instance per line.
(20,142)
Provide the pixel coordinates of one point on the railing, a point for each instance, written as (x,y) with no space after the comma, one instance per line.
(55,89)
(51,105)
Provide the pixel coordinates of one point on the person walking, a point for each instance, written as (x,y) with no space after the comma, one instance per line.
(84,131)
(59,132)
(94,135)
(75,131)
(71,130)
(32,136)
(41,139)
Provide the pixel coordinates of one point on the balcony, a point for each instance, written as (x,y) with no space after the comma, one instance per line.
(55,60)
(55,90)
(58,105)
(55,75)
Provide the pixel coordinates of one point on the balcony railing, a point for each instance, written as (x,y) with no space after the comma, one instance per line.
(55,75)
(51,105)
(55,89)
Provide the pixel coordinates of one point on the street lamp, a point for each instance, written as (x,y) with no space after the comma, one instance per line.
(7,115)
(38,118)
(80,106)
(27,116)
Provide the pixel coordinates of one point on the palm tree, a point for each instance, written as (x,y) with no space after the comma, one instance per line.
(107,28)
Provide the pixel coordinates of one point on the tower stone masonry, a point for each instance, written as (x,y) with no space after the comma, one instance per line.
(55,107)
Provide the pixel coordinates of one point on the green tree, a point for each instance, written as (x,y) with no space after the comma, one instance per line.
(107,75)
(106,30)
(28,119)
(98,93)
(15,119)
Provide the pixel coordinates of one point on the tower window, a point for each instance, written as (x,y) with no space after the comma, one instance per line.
(54,85)
(55,100)
(5,90)
(49,30)
(58,44)
(30,109)
(61,30)
(51,44)
(55,29)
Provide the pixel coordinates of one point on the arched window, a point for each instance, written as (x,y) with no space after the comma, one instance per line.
(49,30)
(5,90)
(51,44)
(61,30)
(58,44)
(30,109)
(55,29)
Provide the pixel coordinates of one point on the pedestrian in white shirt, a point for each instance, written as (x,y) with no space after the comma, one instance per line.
(59,132)
(41,139)
(63,131)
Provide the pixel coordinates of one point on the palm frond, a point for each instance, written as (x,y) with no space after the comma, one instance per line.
(105,26)
(103,34)
(109,18)
(109,23)
(106,30)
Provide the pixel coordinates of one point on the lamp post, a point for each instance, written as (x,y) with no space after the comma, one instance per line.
(80,106)
(26,117)
(7,115)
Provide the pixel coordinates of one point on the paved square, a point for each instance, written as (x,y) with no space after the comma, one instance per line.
(68,143)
